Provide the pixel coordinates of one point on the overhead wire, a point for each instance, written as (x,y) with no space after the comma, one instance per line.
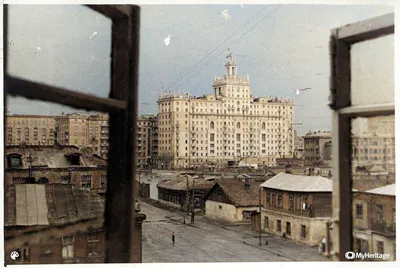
(240,38)
(219,45)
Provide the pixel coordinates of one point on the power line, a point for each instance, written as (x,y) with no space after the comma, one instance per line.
(231,44)
(220,44)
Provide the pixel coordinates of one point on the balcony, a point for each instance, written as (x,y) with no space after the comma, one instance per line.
(384,227)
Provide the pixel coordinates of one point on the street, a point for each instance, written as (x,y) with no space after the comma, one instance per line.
(211,241)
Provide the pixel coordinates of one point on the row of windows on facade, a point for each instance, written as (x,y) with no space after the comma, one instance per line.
(225,148)
(371,151)
(378,215)
(225,141)
(238,153)
(86,180)
(243,130)
(67,250)
(361,246)
(238,110)
(275,200)
(225,135)
(200,104)
(303,228)
(373,141)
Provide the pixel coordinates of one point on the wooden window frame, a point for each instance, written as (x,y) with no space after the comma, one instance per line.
(340,102)
(122,107)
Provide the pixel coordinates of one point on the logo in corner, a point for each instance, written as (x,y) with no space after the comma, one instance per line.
(14,255)
(350,255)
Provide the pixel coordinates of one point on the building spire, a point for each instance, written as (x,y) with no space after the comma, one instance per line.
(229,55)
(231,68)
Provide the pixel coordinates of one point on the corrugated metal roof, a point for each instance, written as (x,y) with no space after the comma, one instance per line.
(385,190)
(299,183)
(31,205)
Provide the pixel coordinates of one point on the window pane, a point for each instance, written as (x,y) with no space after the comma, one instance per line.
(61,200)
(65,45)
(372,71)
(373,170)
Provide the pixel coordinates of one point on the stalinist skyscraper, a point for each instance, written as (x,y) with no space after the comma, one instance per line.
(227,124)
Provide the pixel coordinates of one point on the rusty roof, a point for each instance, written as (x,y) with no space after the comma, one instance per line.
(180,183)
(238,193)
(53,156)
(60,203)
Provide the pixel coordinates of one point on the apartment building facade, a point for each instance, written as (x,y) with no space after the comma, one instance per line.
(227,125)
(84,130)
(30,129)
(374,221)
(298,146)
(374,144)
(318,148)
(147,141)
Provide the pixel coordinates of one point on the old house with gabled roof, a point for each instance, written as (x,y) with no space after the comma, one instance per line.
(297,207)
(233,200)
(178,191)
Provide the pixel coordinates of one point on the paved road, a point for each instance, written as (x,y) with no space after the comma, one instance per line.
(211,241)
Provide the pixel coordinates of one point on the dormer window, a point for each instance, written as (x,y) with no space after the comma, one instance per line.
(74,158)
(14,161)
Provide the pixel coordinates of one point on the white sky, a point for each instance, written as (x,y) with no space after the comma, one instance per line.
(284,47)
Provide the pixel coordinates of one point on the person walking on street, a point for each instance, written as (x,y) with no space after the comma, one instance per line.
(323,244)
(173,238)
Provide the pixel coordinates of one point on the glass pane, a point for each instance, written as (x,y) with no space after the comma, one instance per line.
(373,168)
(60,182)
(65,45)
(372,71)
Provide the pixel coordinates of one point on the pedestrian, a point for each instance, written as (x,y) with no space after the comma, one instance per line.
(173,238)
(323,244)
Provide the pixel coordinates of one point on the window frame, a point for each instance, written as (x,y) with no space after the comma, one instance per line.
(122,108)
(303,231)
(340,102)
(359,207)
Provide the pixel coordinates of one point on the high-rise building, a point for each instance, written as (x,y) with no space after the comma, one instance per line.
(227,125)
(147,141)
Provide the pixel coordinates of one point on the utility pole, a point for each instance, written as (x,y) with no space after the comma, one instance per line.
(192,220)
(187,195)
(259,204)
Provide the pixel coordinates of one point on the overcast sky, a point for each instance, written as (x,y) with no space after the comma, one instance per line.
(281,48)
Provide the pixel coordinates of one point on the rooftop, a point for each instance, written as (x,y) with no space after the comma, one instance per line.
(299,183)
(314,134)
(238,193)
(181,183)
(50,204)
(384,190)
(53,156)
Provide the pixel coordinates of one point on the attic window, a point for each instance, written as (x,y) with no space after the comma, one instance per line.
(14,161)
(74,159)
